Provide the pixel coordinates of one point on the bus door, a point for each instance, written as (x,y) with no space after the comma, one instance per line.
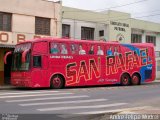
(7,69)
(40,64)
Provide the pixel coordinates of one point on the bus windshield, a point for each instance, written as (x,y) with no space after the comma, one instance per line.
(17,64)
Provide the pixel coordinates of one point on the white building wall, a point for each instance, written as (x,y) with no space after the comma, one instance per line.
(158,57)
(106,31)
(28,23)
(75,28)
(157,42)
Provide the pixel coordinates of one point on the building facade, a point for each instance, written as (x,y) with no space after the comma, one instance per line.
(110,25)
(25,19)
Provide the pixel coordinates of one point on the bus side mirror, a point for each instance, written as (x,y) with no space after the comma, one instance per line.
(6,55)
(24,55)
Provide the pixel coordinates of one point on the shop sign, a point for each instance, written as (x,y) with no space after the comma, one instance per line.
(6,37)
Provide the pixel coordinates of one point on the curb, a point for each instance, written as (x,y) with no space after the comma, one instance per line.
(11,87)
(6,87)
(156,81)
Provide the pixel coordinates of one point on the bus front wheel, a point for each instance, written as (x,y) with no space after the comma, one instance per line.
(57,82)
(125,79)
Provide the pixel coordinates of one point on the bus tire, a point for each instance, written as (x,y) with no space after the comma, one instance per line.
(57,82)
(125,79)
(135,79)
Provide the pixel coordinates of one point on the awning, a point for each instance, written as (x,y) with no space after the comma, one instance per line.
(6,46)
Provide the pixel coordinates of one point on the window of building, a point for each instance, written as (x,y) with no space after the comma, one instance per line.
(157,54)
(151,39)
(42,26)
(158,65)
(37,61)
(87,33)
(101,33)
(136,38)
(65,30)
(5,21)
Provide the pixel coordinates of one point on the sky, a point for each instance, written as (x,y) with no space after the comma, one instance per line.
(148,10)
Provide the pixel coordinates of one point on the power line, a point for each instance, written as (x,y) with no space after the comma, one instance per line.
(121,17)
(148,15)
(134,17)
(115,19)
(156,10)
(124,5)
(107,8)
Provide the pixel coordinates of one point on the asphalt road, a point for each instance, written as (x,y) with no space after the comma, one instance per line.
(81,103)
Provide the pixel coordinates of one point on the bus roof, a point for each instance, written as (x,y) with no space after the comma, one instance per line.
(81,41)
(64,39)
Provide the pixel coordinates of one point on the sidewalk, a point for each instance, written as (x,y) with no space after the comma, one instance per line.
(129,112)
(149,110)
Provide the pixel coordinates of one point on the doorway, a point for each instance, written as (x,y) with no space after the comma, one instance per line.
(7,70)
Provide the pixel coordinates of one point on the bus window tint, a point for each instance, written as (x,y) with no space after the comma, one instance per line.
(64,49)
(100,50)
(109,51)
(82,50)
(91,50)
(36,61)
(54,48)
(116,51)
(73,48)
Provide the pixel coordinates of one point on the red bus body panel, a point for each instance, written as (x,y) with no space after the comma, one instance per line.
(86,70)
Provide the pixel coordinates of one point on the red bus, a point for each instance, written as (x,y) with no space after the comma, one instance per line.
(58,63)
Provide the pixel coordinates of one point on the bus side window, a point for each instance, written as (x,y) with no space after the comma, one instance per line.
(54,48)
(37,61)
(64,49)
(109,51)
(100,50)
(82,50)
(73,48)
(91,50)
(116,50)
